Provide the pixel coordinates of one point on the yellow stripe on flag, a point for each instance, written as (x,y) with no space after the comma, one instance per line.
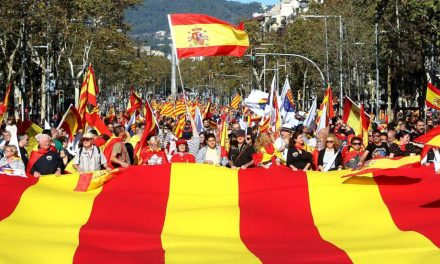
(363,226)
(216,35)
(202,221)
(50,214)
(432,97)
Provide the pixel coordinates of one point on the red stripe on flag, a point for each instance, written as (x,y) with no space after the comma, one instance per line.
(275,191)
(192,19)
(227,50)
(433,89)
(11,190)
(413,199)
(428,104)
(127,219)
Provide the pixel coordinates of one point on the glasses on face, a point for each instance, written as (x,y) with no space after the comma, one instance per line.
(329,141)
(356,143)
(248,138)
(87,139)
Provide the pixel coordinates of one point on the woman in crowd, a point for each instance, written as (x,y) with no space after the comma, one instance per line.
(11,159)
(265,153)
(404,147)
(182,154)
(330,157)
(353,154)
(212,153)
(297,157)
(153,154)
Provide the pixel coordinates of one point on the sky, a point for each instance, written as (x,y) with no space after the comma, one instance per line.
(267,2)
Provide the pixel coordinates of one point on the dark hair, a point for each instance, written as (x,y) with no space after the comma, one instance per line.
(401,134)
(47,132)
(63,139)
(208,136)
(21,136)
(118,130)
(353,139)
(93,132)
(295,135)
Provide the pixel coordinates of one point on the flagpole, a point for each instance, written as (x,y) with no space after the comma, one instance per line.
(64,117)
(176,57)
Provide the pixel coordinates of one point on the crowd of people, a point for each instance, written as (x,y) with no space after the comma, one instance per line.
(335,147)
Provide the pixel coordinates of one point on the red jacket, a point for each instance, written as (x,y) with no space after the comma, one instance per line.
(148,152)
(185,158)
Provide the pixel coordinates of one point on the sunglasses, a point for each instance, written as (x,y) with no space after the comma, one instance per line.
(329,141)
(248,138)
(87,139)
(357,143)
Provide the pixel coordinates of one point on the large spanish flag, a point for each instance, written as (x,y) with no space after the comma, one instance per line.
(201,35)
(433,96)
(196,213)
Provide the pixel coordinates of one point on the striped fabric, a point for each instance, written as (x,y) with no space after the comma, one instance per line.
(195,213)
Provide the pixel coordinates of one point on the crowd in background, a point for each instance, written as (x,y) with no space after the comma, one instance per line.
(303,148)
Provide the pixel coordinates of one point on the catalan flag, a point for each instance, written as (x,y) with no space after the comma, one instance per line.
(201,35)
(151,128)
(71,121)
(134,103)
(178,130)
(433,97)
(326,111)
(167,110)
(197,213)
(88,93)
(180,108)
(235,102)
(4,105)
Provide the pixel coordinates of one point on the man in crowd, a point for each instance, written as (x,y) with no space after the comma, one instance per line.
(23,141)
(377,149)
(240,156)
(115,151)
(419,129)
(212,153)
(46,159)
(282,142)
(89,157)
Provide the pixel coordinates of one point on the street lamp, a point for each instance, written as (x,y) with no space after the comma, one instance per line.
(341,36)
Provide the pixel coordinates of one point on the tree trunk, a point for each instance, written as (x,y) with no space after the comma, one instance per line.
(43,91)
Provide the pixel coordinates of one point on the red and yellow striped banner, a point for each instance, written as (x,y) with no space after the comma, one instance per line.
(196,213)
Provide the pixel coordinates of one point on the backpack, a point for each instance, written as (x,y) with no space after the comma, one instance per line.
(80,151)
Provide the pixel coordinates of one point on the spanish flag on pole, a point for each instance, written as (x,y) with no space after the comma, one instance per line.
(433,97)
(201,35)
(71,121)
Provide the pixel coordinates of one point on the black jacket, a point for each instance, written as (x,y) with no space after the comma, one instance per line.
(338,160)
